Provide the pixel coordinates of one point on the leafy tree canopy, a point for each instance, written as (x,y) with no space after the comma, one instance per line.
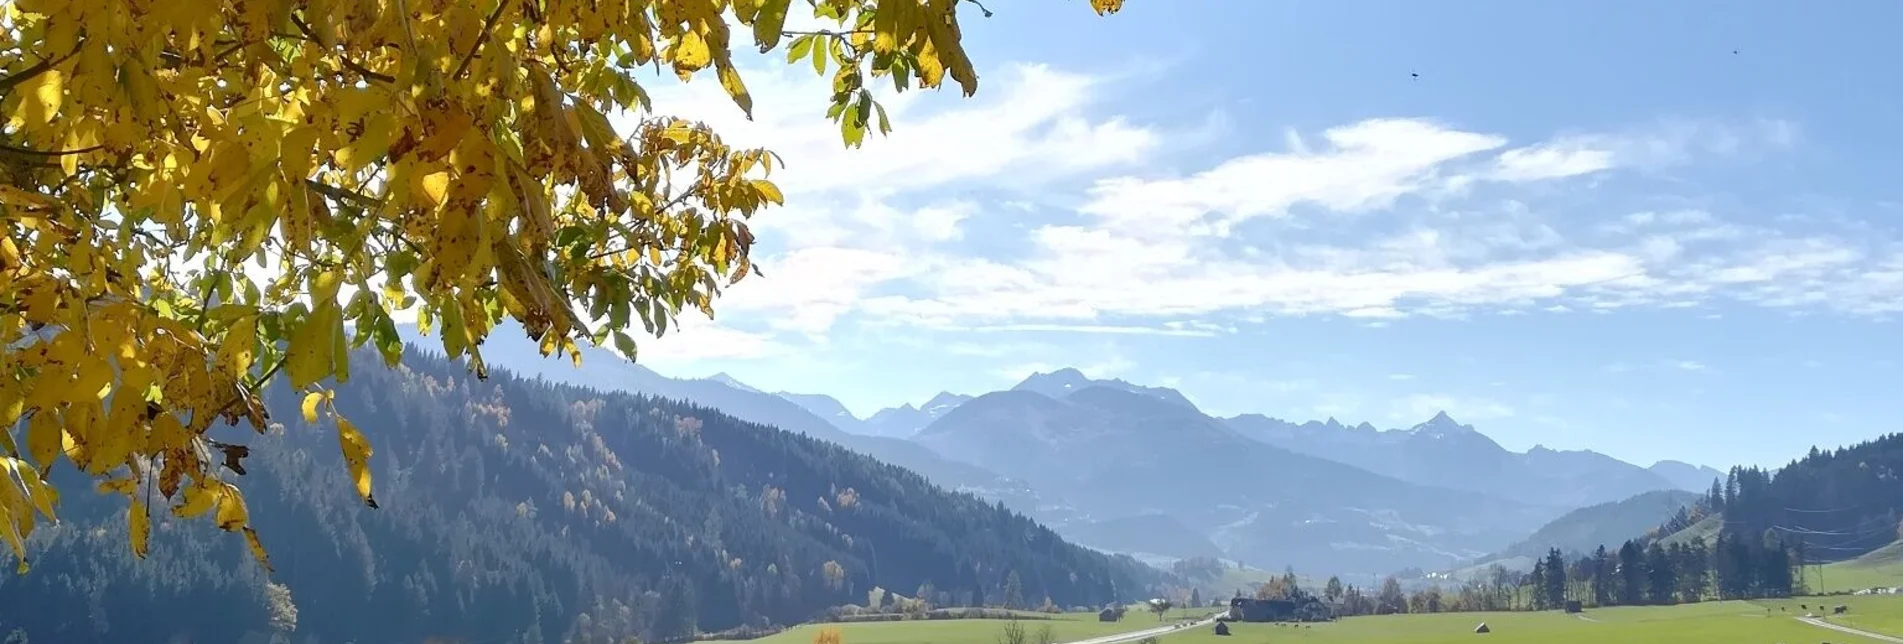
(454,157)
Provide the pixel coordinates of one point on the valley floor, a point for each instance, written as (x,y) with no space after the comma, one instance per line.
(1734,622)
(1873,619)
(1065,627)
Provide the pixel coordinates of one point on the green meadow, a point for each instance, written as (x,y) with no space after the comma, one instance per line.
(1881,567)
(1732,622)
(1064,627)
(1706,623)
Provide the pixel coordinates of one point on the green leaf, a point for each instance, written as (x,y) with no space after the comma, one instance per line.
(625,345)
(768,24)
(885,124)
(389,343)
(801,48)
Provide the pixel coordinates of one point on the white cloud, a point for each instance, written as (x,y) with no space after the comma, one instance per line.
(697,339)
(1401,376)
(1559,159)
(1036,207)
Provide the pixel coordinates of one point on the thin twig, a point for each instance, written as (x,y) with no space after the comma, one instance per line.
(346,62)
(6,84)
(229,51)
(261,382)
(342,194)
(48,153)
(487,26)
(827,32)
(403,12)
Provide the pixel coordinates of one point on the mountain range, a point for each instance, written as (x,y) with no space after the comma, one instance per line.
(1131,468)
(520,510)
(1443,452)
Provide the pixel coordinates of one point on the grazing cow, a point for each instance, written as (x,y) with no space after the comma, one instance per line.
(1840,609)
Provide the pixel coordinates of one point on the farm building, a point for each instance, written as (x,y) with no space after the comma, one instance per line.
(1248,609)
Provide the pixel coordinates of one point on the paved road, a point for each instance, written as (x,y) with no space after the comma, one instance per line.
(1132,636)
(1813,621)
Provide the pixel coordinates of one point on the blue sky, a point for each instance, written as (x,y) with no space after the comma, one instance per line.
(1585,225)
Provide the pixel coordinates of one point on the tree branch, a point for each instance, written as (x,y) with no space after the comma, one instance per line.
(487,26)
(342,194)
(6,84)
(349,64)
(47,153)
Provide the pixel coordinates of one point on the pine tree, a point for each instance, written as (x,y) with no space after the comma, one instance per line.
(1555,587)
(1661,578)
(1631,574)
(1536,582)
(1602,579)
(1013,591)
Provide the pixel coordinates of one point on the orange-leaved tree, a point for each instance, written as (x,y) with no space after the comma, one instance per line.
(455,158)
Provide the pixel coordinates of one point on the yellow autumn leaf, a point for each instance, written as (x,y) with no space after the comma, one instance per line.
(311,401)
(198,499)
(44,437)
(356,457)
(691,52)
(433,188)
(730,81)
(295,149)
(257,548)
(14,196)
(40,98)
(232,514)
(308,358)
(141,527)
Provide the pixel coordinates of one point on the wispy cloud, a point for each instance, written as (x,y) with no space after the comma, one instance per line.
(1038,208)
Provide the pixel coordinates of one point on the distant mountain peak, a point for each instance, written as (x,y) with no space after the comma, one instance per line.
(1442,425)
(946,400)
(1062,382)
(1065,379)
(731,381)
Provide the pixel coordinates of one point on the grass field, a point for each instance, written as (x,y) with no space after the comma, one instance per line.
(1064,627)
(1736,622)
(1874,613)
(1881,567)
(1709,623)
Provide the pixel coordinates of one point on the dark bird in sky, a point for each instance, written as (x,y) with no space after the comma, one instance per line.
(1415,74)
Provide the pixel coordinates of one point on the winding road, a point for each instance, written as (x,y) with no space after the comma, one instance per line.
(1814,621)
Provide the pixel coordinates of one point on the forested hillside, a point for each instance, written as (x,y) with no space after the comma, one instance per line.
(1832,505)
(1584,529)
(517,510)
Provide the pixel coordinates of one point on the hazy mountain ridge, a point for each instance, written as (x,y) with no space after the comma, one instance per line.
(1062,382)
(1114,453)
(1686,476)
(1072,459)
(1445,453)
(605,370)
(1606,524)
(519,510)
